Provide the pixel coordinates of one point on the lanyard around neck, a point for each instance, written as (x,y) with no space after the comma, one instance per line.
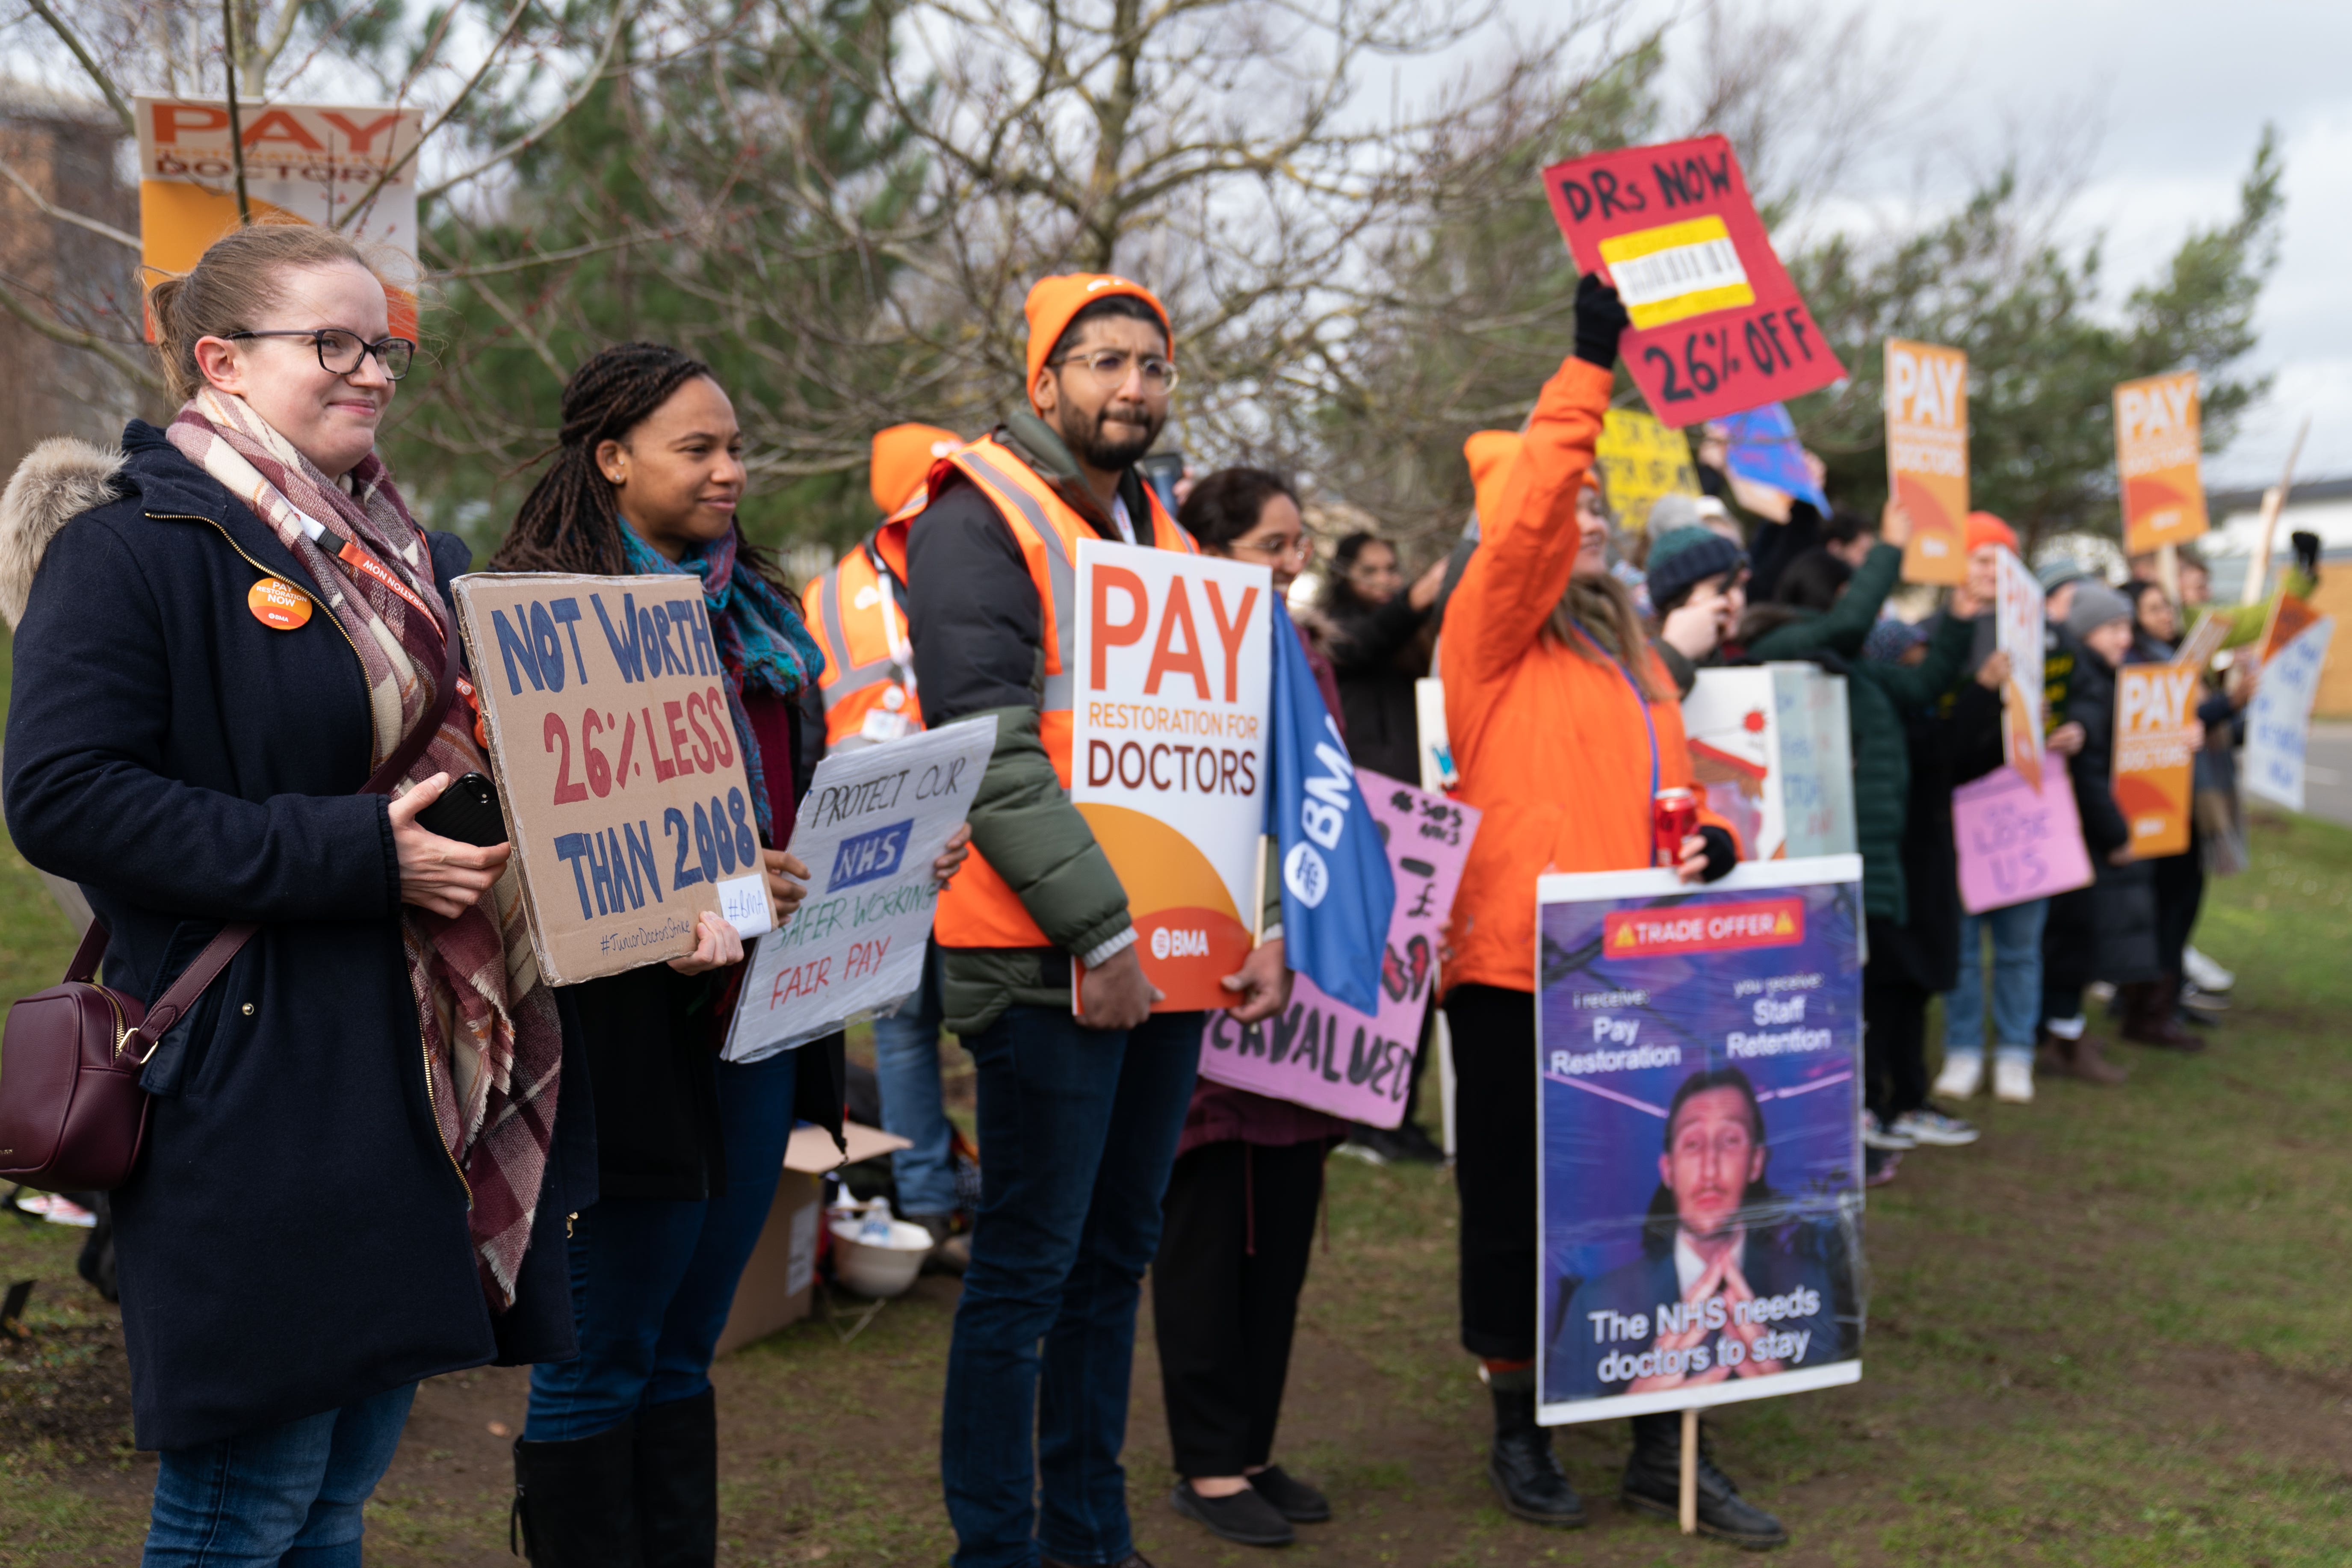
(1639,702)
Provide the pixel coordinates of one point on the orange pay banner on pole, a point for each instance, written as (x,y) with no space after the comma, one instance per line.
(2155,715)
(304,161)
(2157,445)
(1928,454)
(617,763)
(1168,752)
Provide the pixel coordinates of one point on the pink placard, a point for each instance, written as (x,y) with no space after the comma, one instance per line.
(1324,1054)
(2015,843)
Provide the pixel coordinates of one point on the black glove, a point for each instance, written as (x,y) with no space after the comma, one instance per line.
(1722,852)
(2306,545)
(1600,319)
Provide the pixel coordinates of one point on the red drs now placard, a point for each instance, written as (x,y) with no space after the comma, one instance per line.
(1715,928)
(1718,326)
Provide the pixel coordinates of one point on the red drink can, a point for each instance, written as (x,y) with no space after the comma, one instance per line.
(1673,817)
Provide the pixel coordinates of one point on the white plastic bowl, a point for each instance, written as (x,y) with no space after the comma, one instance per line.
(875,1272)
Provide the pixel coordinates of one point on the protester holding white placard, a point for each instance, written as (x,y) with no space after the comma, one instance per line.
(621,1443)
(1565,727)
(1082,1087)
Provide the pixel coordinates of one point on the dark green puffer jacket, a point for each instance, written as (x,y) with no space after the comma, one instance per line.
(1876,692)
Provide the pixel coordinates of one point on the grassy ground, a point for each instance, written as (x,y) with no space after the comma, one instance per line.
(2114,1332)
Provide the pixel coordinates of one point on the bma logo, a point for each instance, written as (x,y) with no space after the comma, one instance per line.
(1168,944)
(867,855)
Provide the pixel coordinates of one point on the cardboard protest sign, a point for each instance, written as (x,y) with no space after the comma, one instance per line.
(2017,842)
(1761,451)
(1717,325)
(624,790)
(2020,629)
(1698,1097)
(1167,753)
(2278,723)
(1642,459)
(874,819)
(1323,1054)
(2159,449)
(1927,394)
(2206,637)
(2156,704)
(1770,747)
(303,161)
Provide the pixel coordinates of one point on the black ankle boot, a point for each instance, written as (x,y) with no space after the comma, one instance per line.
(1525,1470)
(1653,1483)
(575,1503)
(677,1482)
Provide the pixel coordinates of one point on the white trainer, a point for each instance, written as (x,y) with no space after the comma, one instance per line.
(2204,973)
(1934,1129)
(1963,1072)
(2013,1081)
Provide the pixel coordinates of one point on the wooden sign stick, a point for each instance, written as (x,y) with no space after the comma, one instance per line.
(2273,503)
(1690,1472)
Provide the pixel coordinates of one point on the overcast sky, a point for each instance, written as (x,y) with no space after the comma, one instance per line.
(2178,93)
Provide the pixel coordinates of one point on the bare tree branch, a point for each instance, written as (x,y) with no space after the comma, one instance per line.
(75,338)
(489,59)
(49,209)
(73,41)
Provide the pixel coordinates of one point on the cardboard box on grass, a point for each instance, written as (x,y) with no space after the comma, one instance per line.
(622,787)
(782,1276)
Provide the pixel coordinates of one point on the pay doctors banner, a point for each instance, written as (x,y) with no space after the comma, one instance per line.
(2156,708)
(1927,392)
(1698,1104)
(1718,326)
(618,771)
(305,161)
(2158,456)
(1168,756)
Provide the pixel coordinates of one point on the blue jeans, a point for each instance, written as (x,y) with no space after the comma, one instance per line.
(2016,981)
(652,1278)
(907,1072)
(1077,1133)
(287,1494)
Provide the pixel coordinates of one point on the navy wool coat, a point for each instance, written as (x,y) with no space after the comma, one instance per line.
(295,1236)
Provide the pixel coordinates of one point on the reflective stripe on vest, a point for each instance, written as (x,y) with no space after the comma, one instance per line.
(851,687)
(979,909)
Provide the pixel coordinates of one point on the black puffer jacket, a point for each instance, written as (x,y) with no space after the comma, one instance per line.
(2111,931)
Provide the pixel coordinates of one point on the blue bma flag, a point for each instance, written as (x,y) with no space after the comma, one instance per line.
(1337,889)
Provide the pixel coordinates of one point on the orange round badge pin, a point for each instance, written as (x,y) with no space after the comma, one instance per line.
(278,604)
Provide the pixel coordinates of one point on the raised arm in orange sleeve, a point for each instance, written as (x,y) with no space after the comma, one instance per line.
(1526,550)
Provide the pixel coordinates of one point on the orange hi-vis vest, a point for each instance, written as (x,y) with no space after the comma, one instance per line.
(979,909)
(868,680)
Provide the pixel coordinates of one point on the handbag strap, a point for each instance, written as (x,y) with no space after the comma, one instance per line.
(174,1005)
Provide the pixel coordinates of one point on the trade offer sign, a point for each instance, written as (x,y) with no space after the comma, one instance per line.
(1699,1099)
(2155,715)
(1167,753)
(1323,1054)
(618,764)
(874,821)
(2158,457)
(1927,397)
(1718,326)
(305,161)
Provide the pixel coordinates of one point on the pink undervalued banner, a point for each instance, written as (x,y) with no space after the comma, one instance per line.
(2015,843)
(1325,1055)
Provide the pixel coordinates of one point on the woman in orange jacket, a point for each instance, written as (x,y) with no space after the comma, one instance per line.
(1564,728)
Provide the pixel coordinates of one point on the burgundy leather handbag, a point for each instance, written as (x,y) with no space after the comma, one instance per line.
(73,1117)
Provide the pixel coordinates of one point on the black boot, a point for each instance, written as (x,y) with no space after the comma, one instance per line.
(1653,1483)
(576,1503)
(677,1482)
(1525,1470)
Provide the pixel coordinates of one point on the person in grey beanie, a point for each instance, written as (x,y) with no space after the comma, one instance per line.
(1695,598)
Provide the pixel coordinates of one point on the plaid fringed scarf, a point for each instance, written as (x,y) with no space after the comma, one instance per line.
(493,1043)
(762,644)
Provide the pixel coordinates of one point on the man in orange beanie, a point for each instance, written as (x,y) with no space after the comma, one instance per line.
(1081,1105)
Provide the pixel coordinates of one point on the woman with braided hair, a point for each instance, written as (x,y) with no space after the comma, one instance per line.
(617,1463)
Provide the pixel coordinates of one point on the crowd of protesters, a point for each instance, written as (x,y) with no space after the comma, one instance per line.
(492,1170)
